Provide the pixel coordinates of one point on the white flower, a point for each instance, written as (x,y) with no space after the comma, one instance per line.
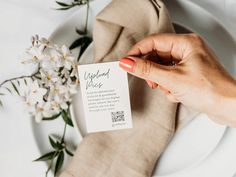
(49,76)
(35,93)
(44,41)
(65,72)
(56,58)
(40,43)
(59,102)
(34,55)
(46,63)
(67,57)
(42,109)
(74,72)
(72,88)
(56,89)
(57,79)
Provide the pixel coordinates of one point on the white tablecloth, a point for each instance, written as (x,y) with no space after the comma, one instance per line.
(21,19)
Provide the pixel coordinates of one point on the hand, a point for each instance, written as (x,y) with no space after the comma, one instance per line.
(196,79)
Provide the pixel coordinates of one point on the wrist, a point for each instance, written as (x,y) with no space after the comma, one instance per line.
(224,110)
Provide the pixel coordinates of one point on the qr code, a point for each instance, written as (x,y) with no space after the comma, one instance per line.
(117,116)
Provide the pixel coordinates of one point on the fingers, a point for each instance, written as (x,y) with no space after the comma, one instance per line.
(165,45)
(153,73)
(169,96)
(148,70)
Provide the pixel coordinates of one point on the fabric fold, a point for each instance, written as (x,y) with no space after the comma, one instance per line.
(123,23)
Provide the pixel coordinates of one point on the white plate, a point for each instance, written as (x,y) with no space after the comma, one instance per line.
(192,144)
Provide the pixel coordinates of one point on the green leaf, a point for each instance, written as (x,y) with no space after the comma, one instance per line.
(69,153)
(64,8)
(25,81)
(78,42)
(8,90)
(1,104)
(80,2)
(15,88)
(55,144)
(52,118)
(47,156)
(59,145)
(83,42)
(59,162)
(62,4)
(80,32)
(52,142)
(66,117)
(1,94)
(86,43)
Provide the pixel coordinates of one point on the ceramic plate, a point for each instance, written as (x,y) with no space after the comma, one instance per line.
(193,144)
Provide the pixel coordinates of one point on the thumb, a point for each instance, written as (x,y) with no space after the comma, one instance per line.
(148,70)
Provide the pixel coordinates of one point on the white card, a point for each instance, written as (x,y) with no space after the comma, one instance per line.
(105,96)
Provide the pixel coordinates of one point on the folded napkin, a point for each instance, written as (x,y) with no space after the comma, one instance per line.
(131,152)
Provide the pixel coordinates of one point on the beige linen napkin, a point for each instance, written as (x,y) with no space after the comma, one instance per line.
(131,152)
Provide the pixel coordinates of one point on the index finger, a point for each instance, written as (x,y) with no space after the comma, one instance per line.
(166,45)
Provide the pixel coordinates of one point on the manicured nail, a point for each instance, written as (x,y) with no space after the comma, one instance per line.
(127,64)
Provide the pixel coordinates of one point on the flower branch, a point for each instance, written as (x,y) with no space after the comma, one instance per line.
(32,76)
(49,90)
(56,157)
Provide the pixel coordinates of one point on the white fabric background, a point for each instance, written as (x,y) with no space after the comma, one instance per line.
(19,19)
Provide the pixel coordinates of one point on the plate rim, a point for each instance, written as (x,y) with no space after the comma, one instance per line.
(70,17)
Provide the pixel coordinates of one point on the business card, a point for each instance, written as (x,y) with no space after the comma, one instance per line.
(105,97)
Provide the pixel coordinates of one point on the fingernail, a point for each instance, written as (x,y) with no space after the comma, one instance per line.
(127,64)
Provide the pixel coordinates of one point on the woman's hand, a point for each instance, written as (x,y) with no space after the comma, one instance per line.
(195,77)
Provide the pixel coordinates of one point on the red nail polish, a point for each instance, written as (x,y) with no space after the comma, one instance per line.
(127,64)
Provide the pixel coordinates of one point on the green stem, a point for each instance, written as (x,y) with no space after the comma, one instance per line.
(51,162)
(87,15)
(17,78)
(55,154)
(64,133)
